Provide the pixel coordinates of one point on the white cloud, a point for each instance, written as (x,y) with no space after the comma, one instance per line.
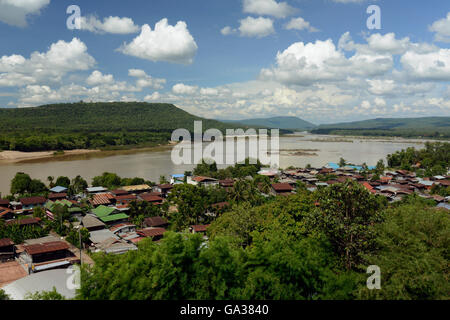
(299,24)
(256,27)
(182,89)
(152,97)
(110,24)
(442,29)
(144,80)
(97,78)
(61,58)
(165,43)
(427,66)
(268,7)
(227,31)
(381,87)
(15,12)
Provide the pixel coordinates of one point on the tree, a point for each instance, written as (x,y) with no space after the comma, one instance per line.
(346,214)
(412,253)
(74,237)
(20,184)
(3,295)
(342,162)
(63,182)
(50,181)
(78,185)
(45,295)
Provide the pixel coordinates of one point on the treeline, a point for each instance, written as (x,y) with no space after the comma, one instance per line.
(434,159)
(440,133)
(94,125)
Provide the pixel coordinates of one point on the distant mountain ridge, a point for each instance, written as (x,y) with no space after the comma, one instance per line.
(288,123)
(408,127)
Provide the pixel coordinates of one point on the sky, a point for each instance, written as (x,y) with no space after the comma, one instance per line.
(231,59)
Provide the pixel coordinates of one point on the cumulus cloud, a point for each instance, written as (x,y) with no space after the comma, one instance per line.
(442,29)
(15,12)
(181,88)
(256,27)
(268,8)
(427,66)
(110,24)
(98,78)
(165,43)
(300,24)
(144,80)
(227,31)
(61,58)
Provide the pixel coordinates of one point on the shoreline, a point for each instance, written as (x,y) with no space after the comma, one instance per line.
(9,156)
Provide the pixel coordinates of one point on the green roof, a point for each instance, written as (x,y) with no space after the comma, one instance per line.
(102,211)
(114,217)
(51,204)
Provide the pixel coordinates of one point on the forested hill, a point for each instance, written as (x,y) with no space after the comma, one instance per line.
(438,127)
(277,122)
(100,117)
(94,125)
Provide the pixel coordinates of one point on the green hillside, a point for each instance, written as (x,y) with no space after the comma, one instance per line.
(436,127)
(287,123)
(93,125)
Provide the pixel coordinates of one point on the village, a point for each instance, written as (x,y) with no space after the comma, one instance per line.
(103,215)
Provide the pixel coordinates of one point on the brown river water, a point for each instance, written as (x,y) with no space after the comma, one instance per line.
(297,150)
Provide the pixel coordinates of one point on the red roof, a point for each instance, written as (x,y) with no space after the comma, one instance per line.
(226,182)
(4,202)
(151,232)
(282,187)
(24,221)
(32,200)
(368,187)
(165,186)
(127,197)
(119,192)
(6,242)
(155,221)
(150,198)
(201,179)
(46,247)
(102,199)
(200,227)
(57,195)
(4,211)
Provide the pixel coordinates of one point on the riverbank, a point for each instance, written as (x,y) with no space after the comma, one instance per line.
(19,156)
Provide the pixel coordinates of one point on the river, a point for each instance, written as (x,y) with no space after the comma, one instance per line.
(296,150)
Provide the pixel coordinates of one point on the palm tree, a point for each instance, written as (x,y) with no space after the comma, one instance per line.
(50,180)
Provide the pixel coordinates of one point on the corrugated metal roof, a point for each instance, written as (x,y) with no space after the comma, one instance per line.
(46,247)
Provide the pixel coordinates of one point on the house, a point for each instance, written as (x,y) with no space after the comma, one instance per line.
(125,199)
(123,229)
(155,233)
(106,241)
(368,187)
(104,199)
(48,255)
(7,250)
(281,188)
(4,203)
(137,189)
(177,179)
(29,203)
(155,222)
(203,181)
(226,183)
(199,228)
(15,206)
(119,192)
(94,190)
(58,189)
(91,223)
(110,215)
(6,213)
(57,196)
(30,221)
(151,197)
(72,208)
(164,189)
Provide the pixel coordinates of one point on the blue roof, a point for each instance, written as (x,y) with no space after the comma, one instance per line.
(58,189)
(332,165)
(444,205)
(178,176)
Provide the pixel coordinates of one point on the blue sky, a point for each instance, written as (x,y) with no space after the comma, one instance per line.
(232,59)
